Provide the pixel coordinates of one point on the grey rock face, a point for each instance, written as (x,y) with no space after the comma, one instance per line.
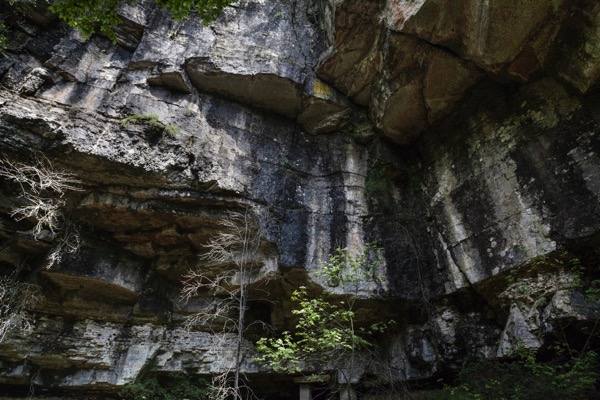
(495,199)
(487,215)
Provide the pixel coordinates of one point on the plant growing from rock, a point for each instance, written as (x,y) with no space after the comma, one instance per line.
(153,122)
(237,244)
(327,337)
(42,189)
(91,15)
(568,376)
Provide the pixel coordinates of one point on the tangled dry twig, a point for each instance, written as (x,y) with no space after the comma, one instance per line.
(15,299)
(42,188)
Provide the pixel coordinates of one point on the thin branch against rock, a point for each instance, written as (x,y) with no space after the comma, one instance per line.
(15,299)
(42,188)
(38,176)
(46,211)
(236,245)
(69,242)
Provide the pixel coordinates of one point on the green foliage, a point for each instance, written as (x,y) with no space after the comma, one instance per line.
(13,12)
(349,271)
(593,291)
(360,132)
(325,332)
(89,15)
(377,181)
(171,130)
(152,121)
(208,10)
(282,353)
(177,387)
(3,39)
(148,119)
(568,377)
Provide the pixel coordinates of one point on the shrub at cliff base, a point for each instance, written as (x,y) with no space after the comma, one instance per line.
(177,386)
(566,377)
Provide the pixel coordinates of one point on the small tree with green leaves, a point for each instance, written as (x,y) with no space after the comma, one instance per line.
(326,335)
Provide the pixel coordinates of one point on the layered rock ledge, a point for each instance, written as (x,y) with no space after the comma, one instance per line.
(463,138)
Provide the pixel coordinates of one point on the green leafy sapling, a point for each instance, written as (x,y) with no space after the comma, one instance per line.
(325,336)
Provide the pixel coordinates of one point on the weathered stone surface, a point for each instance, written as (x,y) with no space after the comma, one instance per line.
(481,213)
(578,62)
(271,70)
(413,62)
(495,200)
(94,348)
(497,35)
(419,85)
(154,223)
(407,83)
(354,60)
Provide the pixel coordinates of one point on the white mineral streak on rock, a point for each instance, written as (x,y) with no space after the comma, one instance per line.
(482,18)
(398,12)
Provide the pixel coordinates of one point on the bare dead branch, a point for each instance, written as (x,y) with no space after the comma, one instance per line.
(38,176)
(15,299)
(237,244)
(42,188)
(69,242)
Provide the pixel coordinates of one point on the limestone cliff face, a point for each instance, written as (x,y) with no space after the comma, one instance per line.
(462,137)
